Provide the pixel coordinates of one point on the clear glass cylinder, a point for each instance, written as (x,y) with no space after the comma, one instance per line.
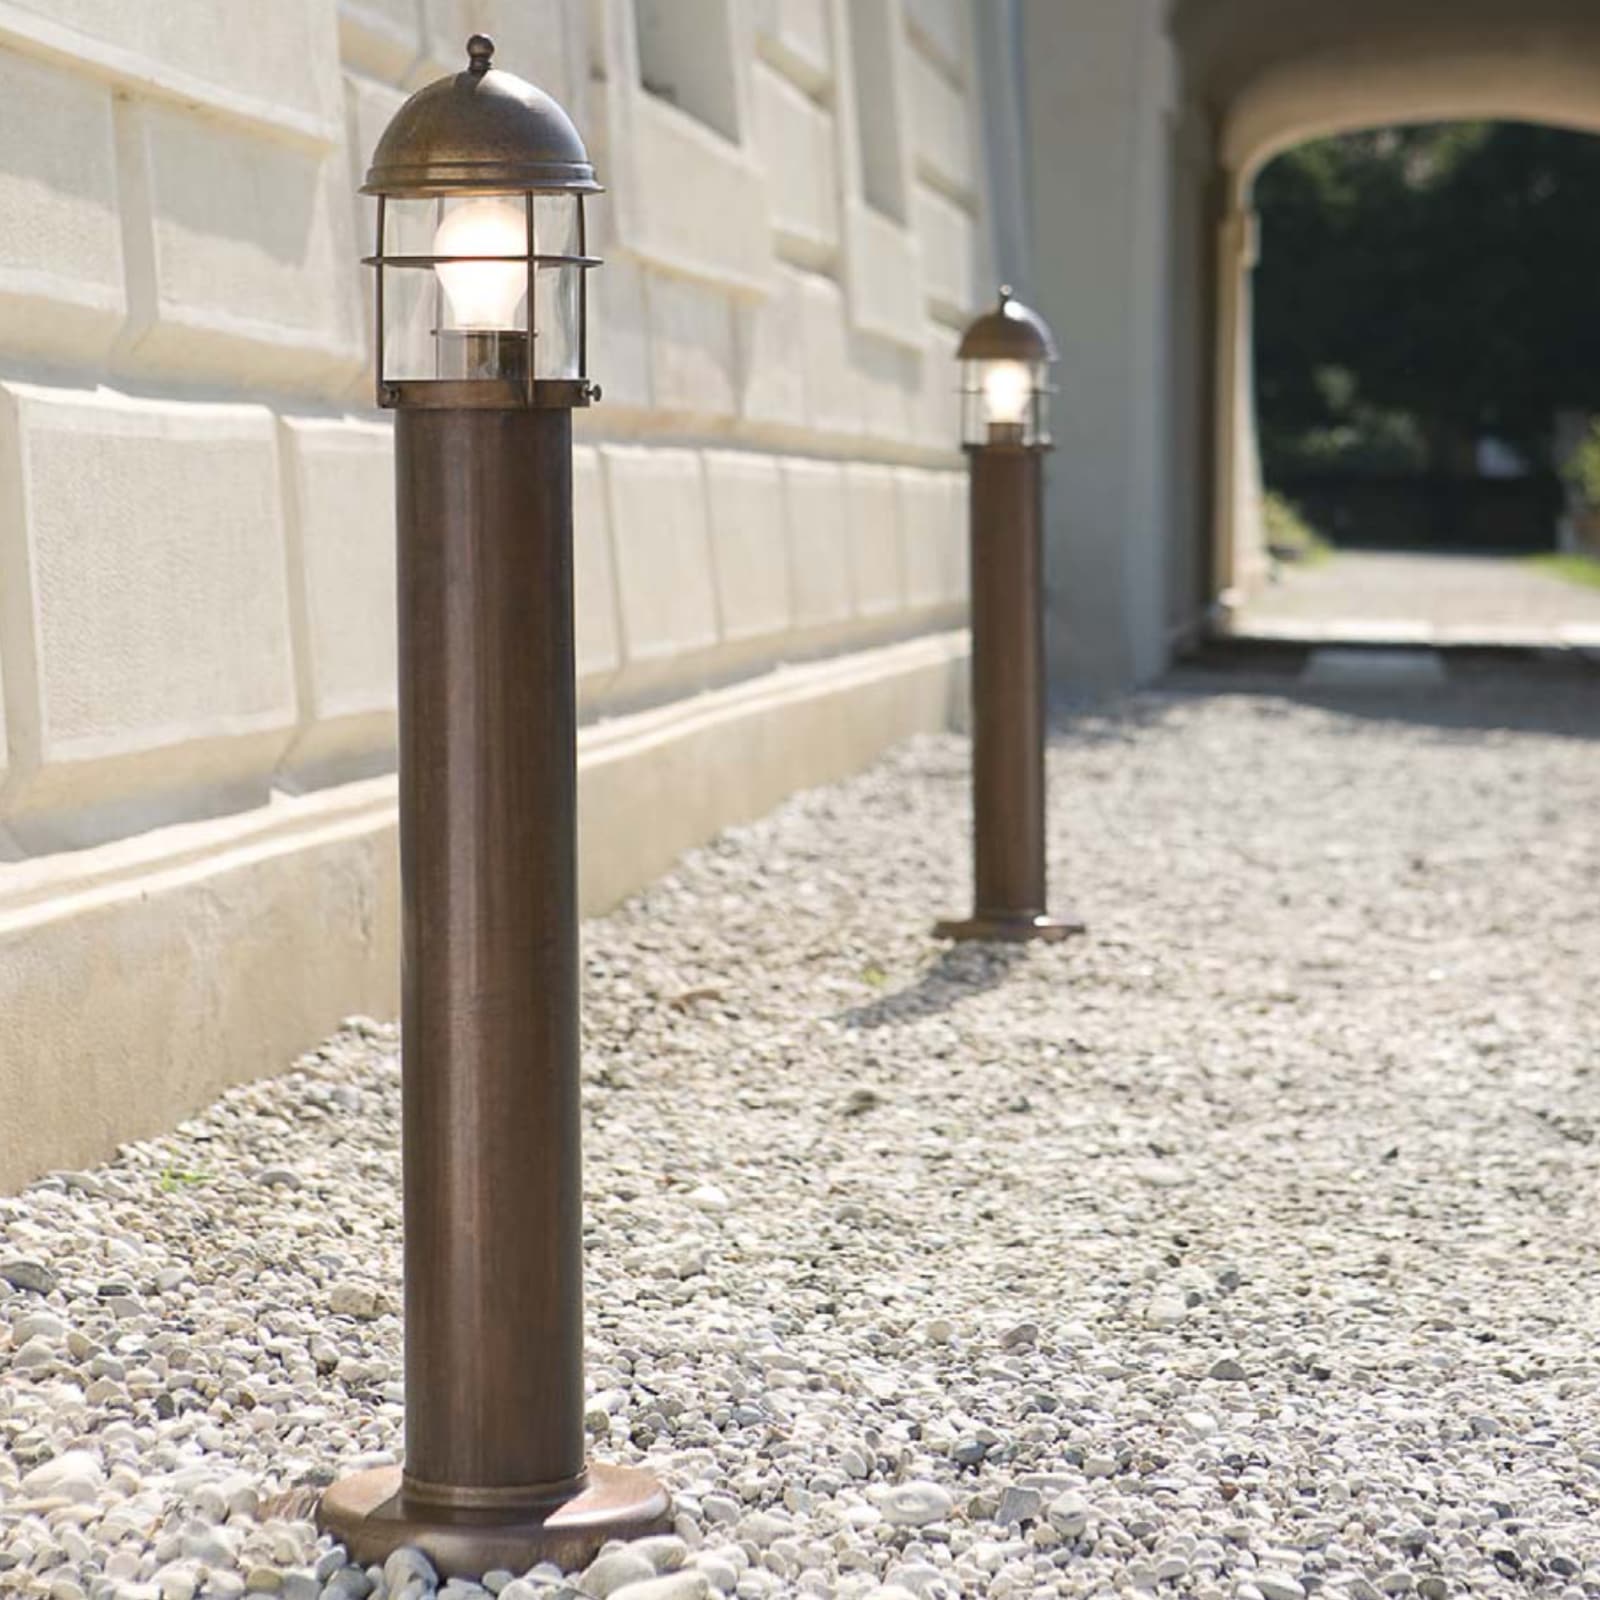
(558,309)
(558,287)
(1005,403)
(455,274)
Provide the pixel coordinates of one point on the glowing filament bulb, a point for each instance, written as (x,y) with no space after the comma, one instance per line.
(1007,389)
(483,295)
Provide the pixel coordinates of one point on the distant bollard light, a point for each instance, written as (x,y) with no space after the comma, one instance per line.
(1005,426)
(1005,391)
(481,341)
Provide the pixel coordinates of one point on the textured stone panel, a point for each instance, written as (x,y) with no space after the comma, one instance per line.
(599,647)
(876,569)
(796,141)
(619,336)
(940,28)
(744,494)
(933,538)
(936,407)
(275,63)
(382,38)
(956,535)
(947,235)
(833,392)
(693,357)
(244,266)
(888,381)
(534,39)
(855,382)
(773,354)
(685,198)
(340,478)
(446,25)
(883,275)
(794,34)
(818,526)
(145,622)
(662,549)
(941,134)
(60,238)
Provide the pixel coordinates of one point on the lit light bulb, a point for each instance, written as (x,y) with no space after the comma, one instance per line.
(1007,389)
(483,295)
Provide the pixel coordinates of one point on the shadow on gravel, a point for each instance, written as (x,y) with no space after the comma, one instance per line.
(1499,691)
(954,975)
(1112,718)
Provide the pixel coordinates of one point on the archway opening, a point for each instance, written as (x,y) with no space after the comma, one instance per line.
(1423,382)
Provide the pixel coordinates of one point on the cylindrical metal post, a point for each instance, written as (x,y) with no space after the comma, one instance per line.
(488,817)
(1008,695)
(495,1473)
(1008,700)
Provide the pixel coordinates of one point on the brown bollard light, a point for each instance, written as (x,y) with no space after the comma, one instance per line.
(1005,427)
(481,339)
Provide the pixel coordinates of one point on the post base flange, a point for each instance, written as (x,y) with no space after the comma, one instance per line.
(370,1516)
(993,927)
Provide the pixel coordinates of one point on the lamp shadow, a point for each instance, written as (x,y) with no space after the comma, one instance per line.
(954,975)
(1498,689)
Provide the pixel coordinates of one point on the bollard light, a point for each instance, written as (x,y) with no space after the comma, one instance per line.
(1005,429)
(481,180)
(1005,361)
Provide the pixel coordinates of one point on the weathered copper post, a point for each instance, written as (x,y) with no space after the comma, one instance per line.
(1006,431)
(481,345)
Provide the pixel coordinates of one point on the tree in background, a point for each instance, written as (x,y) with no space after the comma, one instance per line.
(1423,288)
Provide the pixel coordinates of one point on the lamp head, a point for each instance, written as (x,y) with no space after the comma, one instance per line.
(1006,355)
(480,179)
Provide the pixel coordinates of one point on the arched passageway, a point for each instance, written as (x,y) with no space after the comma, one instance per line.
(1279,86)
(1147,122)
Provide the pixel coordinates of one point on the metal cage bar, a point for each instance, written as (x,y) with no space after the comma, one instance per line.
(530,244)
(583,294)
(377,299)
(586,262)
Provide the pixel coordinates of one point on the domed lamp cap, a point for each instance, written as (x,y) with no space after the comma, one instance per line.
(482,131)
(1011,332)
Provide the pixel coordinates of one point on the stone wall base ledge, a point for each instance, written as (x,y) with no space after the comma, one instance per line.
(138,980)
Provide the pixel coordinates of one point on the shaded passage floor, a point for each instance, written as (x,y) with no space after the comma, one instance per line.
(1248,1247)
(1424,598)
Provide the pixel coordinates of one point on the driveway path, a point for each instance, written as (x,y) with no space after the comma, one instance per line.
(1423,599)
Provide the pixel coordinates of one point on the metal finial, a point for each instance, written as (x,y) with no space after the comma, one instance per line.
(480,52)
(1005,294)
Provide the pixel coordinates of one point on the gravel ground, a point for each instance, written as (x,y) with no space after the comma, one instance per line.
(1249,1247)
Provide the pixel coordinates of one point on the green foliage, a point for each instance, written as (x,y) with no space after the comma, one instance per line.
(1583,467)
(1422,287)
(1289,535)
(1582,570)
(1360,438)
(173,1179)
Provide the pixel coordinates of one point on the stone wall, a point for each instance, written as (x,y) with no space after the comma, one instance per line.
(196,505)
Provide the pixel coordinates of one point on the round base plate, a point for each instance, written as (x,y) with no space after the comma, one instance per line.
(1010,929)
(369,1516)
